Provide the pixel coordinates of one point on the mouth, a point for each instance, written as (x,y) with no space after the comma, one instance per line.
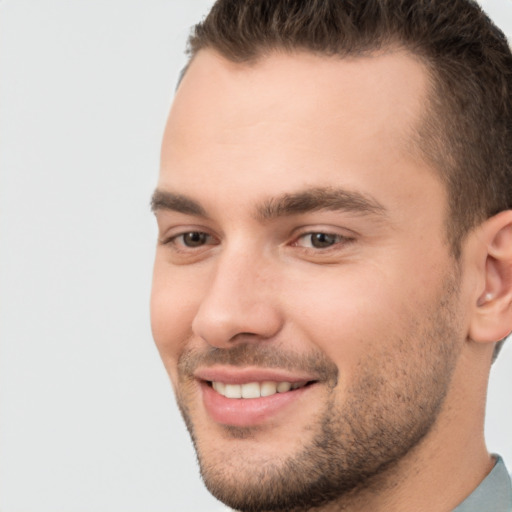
(245,398)
(252,390)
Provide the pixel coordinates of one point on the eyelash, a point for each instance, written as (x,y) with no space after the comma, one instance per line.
(174,240)
(336,239)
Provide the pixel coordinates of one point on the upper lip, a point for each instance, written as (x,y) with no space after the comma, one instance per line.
(235,375)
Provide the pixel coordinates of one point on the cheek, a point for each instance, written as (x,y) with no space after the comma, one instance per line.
(172,311)
(353,312)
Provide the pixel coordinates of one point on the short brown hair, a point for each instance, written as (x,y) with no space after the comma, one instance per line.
(467,135)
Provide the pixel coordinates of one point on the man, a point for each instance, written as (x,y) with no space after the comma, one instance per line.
(334,269)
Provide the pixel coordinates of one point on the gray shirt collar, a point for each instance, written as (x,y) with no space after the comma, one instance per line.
(493,494)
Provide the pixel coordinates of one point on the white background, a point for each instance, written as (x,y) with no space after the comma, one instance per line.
(87,418)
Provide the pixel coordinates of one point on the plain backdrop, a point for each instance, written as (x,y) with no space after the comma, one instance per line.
(87,417)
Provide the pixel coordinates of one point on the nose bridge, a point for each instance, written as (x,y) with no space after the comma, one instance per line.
(239,299)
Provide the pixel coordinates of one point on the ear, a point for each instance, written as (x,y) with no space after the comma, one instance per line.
(492,320)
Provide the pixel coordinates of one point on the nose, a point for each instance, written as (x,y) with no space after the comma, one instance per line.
(240,303)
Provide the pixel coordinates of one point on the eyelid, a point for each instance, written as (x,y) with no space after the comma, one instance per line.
(172,234)
(345,238)
(183,235)
(338,231)
(340,238)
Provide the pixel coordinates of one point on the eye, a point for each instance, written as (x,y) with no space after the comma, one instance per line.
(193,239)
(319,240)
(184,246)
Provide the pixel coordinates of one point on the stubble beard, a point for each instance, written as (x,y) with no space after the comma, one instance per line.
(386,413)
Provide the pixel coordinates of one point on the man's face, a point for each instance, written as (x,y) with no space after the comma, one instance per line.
(302,263)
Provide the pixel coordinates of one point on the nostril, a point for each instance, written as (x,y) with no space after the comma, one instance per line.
(244,336)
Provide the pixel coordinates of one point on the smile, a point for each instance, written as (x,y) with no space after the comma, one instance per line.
(255,389)
(252,402)
(250,396)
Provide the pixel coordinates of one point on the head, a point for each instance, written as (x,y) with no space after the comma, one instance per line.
(333,216)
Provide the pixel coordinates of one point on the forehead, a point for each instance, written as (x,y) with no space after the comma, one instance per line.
(309,119)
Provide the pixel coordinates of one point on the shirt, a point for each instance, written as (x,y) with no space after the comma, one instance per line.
(494,494)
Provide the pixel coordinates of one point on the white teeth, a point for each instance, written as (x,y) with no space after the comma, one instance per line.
(268,388)
(255,389)
(219,387)
(251,390)
(283,387)
(233,391)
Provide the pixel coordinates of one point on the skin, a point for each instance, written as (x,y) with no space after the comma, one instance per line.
(383,318)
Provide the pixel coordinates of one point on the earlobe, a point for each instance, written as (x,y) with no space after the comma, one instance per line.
(492,319)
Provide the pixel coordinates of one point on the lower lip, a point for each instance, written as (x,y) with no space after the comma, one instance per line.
(246,412)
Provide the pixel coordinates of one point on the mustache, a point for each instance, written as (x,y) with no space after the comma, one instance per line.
(261,355)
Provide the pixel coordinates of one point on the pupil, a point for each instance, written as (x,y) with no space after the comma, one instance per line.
(320,240)
(194,239)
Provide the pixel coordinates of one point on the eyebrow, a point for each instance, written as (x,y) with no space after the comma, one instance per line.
(163,200)
(315,199)
(310,200)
